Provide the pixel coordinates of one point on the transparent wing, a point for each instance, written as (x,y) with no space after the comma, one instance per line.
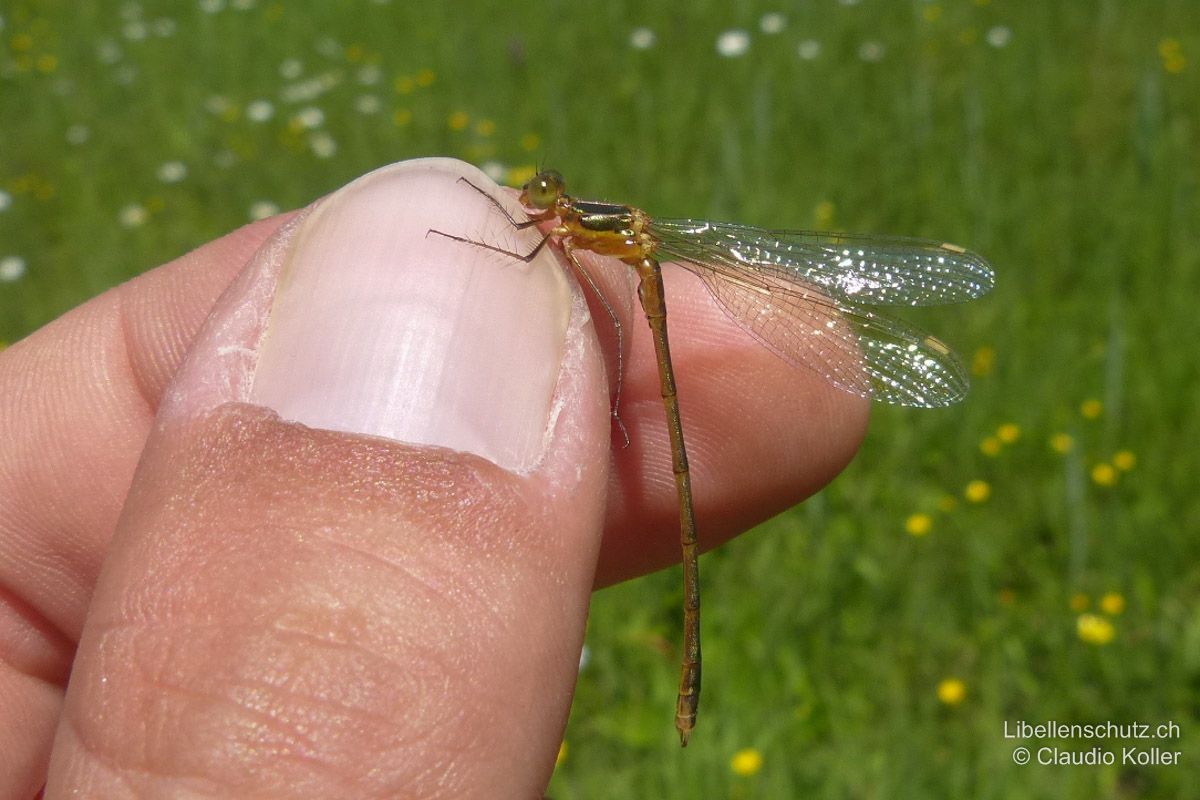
(869,270)
(805,299)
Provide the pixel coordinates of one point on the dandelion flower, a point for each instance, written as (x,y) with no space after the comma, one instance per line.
(952,691)
(1112,603)
(1062,443)
(1124,460)
(983,361)
(990,446)
(530,142)
(1008,433)
(1091,408)
(977,491)
(746,762)
(918,524)
(1094,629)
(458,121)
(1104,474)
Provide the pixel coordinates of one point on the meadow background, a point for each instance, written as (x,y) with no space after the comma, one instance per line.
(1032,554)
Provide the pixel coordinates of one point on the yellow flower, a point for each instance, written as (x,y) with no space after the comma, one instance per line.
(990,446)
(918,524)
(1009,432)
(1112,603)
(983,361)
(403,84)
(947,503)
(1079,602)
(1124,460)
(425,77)
(458,120)
(977,491)
(823,214)
(485,127)
(932,12)
(401,117)
(530,142)
(517,176)
(1091,408)
(746,762)
(1062,443)
(47,63)
(952,691)
(1104,474)
(1094,629)
(355,53)
(1172,56)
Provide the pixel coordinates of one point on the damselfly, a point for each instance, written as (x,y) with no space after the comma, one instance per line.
(810,298)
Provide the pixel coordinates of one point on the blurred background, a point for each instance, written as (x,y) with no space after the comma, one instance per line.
(1030,555)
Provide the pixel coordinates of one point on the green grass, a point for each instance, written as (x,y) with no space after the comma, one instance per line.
(1069,156)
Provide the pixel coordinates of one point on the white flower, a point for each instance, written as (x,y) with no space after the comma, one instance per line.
(172,172)
(367,104)
(999,36)
(494,170)
(370,75)
(11,268)
(871,51)
(309,117)
(263,209)
(809,49)
(135,31)
(132,215)
(259,110)
(323,145)
(641,38)
(108,51)
(733,43)
(5,200)
(211,6)
(291,69)
(78,134)
(772,23)
(164,27)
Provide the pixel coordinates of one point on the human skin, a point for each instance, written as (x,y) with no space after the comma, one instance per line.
(250,606)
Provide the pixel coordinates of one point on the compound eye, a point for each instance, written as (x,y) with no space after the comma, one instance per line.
(543,189)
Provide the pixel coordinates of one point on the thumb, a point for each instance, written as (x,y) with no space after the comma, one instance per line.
(357,554)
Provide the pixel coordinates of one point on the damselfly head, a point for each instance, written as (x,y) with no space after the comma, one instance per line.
(542,190)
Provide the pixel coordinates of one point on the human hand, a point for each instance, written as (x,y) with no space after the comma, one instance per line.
(301,610)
